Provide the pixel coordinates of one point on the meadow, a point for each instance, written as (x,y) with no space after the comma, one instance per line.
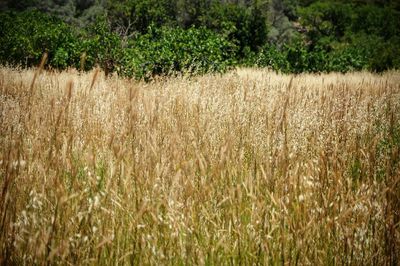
(249,167)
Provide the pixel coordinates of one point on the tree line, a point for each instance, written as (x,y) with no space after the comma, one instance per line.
(143,38)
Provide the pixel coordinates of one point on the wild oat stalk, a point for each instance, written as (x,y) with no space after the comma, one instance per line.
(246,168)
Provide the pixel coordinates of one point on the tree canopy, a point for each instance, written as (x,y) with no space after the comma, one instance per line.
(285,35)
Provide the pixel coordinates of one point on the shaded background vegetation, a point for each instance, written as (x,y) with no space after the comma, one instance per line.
(143,38)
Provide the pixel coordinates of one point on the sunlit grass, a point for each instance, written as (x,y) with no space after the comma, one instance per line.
(250,167)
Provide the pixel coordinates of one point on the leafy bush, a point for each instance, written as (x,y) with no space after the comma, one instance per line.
(373,20)
(168,50)
(140,14)
(348,58)
(270,56)
(101,46)
(215,35)
(26,36)
(326,19)
(243,26)
(350,37)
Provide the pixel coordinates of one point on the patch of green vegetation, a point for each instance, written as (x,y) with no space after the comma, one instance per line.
(145,38)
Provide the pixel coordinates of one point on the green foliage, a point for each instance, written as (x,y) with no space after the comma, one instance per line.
(143,38)
(144,13)
(77,12)
(297,57)
(374,53)
(326,19)
(244,26)
(373,20)
(346,58)
(60,59)
(102,46)
(386,55)
(169,50)
(26,36)
(270,56)
(281,29)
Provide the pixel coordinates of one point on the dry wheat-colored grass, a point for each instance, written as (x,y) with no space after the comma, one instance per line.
(250,167)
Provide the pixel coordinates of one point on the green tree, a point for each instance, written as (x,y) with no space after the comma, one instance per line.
(281,29)
(25,36)
(138,15)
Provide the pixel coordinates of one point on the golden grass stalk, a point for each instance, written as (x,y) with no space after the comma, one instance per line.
(250,167)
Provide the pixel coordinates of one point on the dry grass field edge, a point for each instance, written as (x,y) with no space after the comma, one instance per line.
(249,167)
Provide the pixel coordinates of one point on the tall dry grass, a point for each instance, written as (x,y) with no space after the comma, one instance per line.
(246,168)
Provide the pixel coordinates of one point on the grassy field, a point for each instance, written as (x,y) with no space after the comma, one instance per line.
(250,167)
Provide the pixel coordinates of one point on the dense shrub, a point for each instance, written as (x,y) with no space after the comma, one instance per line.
(26,36)
(101,46)
(167,50)
(326,19)
(138,15)
(274,58)
(145,38)
(243,26)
